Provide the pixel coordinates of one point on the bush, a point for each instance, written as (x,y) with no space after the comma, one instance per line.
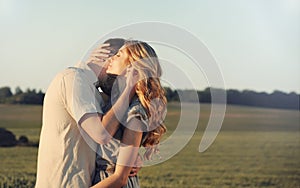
(23,140)
(7,138)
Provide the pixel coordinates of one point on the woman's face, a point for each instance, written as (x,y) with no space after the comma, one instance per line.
(118,63)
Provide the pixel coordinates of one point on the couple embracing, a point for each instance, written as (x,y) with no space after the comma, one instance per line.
(97,115)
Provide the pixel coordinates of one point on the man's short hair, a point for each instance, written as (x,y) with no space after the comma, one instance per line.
(115,45)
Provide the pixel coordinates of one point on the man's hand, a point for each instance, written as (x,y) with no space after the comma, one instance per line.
(134,171)
(138,165)
(99,54)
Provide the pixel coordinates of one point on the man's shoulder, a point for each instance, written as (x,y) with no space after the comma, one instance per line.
(68,72)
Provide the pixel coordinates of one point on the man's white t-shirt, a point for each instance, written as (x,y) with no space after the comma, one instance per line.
(66,156)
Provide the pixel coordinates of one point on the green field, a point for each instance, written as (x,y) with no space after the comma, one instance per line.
(256,147)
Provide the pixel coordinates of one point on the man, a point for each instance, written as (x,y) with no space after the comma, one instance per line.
(73,120)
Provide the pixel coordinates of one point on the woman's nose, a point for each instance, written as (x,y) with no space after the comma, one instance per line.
(111,59)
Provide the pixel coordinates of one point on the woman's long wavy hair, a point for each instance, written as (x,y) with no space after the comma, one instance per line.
(148,89)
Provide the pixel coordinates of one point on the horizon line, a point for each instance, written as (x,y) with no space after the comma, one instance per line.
(226,89)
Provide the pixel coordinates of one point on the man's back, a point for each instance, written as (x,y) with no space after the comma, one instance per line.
(64,158)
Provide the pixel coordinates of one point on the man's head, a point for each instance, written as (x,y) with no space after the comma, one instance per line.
(105,82)
(115,45)
(98,62)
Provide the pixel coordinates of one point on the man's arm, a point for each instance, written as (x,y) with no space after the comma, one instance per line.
(101,128)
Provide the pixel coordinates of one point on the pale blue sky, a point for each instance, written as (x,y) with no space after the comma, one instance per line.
(256,43)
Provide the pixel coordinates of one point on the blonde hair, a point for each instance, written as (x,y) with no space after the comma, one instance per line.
(149,90)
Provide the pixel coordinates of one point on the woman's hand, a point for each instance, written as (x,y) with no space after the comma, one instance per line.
(131,78)
(99,54)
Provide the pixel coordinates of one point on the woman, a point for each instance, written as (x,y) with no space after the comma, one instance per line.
(143,125)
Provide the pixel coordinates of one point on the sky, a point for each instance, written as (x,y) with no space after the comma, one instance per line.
(255,43)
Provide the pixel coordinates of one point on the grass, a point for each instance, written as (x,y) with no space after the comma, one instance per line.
(256,147)
(22,120)
(239,159)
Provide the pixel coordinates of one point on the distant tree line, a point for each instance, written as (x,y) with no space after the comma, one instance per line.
(277,99)
(30,96)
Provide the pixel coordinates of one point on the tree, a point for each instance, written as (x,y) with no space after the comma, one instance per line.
(18,91)
(171,95)
(5,93)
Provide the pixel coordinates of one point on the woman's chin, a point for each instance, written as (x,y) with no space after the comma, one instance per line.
(108,72)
